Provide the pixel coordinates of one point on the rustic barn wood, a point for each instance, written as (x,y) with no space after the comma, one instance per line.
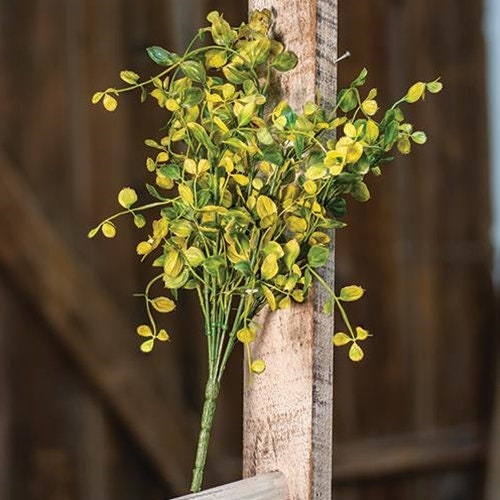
(269,486)
(420,247)
(395,455)
(288,410)
(56,283)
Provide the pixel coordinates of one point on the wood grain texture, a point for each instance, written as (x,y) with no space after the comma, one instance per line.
(288,410)
(409,454)
(269,486)
(58,284)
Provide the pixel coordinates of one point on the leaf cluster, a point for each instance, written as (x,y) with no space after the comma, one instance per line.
(246,191)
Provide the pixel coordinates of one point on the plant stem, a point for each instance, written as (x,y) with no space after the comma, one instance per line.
(207,418)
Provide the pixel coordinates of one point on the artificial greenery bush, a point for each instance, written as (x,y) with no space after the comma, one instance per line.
(245,191)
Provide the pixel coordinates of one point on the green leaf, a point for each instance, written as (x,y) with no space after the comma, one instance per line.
(161,56)
(435,86)
(171,171)
(154,192)
(243,267)
(139,220)
(391,134)
(194,70)
(285,61)
(347,100)
(213,264)
(193,97)
(328,307)
(234,74)
(264,136)
(318,256)
(419,137)
(360,192)
(174,283)
(360,79)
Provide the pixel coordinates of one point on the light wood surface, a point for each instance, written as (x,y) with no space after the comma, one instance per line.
(288,410)
(269,486)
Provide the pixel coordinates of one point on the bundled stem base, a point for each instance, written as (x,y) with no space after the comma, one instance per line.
(211,392)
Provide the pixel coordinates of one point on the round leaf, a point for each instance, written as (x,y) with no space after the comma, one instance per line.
(147,345)
(356,353)
(340,339)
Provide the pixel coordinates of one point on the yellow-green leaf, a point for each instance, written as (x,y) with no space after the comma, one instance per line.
(97,97)
(265,207)
(292,251)
(162,335)
(129,76)
(356,353)
(108,229)
(271,300)
(241,179)
(404,146)
(371,132)
(144,331)
(269,267)
(258,366)
(186,194)
(341,338)
(415,92)
(246,335)
(317,171)
(435,86)
(194,256)
(361,333)
(144,247)
(350,130)
(173,263)
(147,345)
(127,197)
(163,304)
(351,293)
(109,102)
(369,107)
(296,224)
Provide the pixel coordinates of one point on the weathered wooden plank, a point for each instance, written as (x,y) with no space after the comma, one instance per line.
(366,459)
(288,410)
(85,320)
(269,486)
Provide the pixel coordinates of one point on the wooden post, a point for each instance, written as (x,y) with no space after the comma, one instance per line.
(288,409)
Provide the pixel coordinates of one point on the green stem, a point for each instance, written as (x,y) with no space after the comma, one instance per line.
(207,418)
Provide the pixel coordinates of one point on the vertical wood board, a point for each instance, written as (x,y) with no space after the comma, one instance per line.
(288,409)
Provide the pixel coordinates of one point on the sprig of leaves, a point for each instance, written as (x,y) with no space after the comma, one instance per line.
(246,190)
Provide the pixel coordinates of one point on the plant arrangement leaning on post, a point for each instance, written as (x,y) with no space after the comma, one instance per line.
(245,190)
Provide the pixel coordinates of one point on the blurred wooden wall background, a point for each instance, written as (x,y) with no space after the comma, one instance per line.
(411,421)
